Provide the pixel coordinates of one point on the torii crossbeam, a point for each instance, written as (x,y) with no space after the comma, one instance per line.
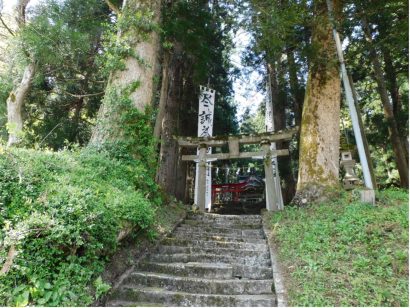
(264,139)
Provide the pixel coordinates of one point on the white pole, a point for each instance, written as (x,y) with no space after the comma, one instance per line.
(350,101)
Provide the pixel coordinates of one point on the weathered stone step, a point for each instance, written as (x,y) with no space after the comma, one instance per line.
(191,269)
(223,230)
(208,270)
(120,303)
(182,257)
(182,299)
(180,231)
(209,260)
(172,241)
(237,253)
(212,237)
(223,224)
(252,271)
(226,218)
(200,285)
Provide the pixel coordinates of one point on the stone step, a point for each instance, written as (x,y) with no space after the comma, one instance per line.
(223,224)
(208,270)
(200,285)
(120,303)
(182,299)
(226,218)
(212,237)
(216,251)
(221,230)
(183,258)
(172,241)
(191,269)
(209,260)
(234,235)
(252,271)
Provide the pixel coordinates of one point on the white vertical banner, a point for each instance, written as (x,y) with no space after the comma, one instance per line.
(205,129)
(270,127)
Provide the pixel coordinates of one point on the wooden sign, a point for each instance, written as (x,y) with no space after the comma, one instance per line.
(205,129)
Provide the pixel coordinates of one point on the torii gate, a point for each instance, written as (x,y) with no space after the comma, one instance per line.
(265,140)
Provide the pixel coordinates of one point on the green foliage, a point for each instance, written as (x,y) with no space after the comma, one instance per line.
(5,88)
(101,287)
(63,211)
(134,26)
(389,23)
(132,138)
(345,253)
(281,25)
(206,47)
(63,39)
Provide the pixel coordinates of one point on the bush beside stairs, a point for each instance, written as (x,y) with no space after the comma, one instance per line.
(209,260)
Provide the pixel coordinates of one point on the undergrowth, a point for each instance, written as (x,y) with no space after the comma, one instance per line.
(345,253)
(62,213)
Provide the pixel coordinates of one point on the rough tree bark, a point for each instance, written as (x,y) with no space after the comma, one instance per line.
(295,88)
(163,97)
(186,125)
(16,98)
(393,86)
(319,136)
(168,160)
(279,115)
(142,69)
(400,153)
(15,104)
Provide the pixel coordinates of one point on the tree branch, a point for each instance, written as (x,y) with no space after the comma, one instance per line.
(83,95)
(9,260)
(113,7)
(5,26)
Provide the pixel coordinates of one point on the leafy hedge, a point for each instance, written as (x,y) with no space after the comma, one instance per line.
(62,212)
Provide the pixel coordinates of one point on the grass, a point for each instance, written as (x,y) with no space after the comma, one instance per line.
(345,253)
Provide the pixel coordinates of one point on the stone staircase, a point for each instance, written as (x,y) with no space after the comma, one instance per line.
(209,260)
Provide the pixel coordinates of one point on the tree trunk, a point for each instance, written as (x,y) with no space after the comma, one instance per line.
(320,134)
(15,103)
(163,97)
(15,100)
(168,160)
(392,82)
(295,89)
(139,71)
(401,159)
(393,87)
(279,116)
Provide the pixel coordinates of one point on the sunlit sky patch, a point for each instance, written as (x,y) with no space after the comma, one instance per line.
(246,94)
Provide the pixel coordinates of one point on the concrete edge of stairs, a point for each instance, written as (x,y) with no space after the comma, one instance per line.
(278,278)
(158,241)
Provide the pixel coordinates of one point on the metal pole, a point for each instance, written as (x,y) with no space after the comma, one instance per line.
(366,145)
(350,101)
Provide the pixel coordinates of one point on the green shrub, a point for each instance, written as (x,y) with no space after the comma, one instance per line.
(63,211)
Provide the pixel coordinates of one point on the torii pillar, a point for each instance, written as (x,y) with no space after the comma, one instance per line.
(271,197)
(202,177)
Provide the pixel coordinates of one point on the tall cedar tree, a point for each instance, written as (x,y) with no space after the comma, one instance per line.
(138,22)
(319,135)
